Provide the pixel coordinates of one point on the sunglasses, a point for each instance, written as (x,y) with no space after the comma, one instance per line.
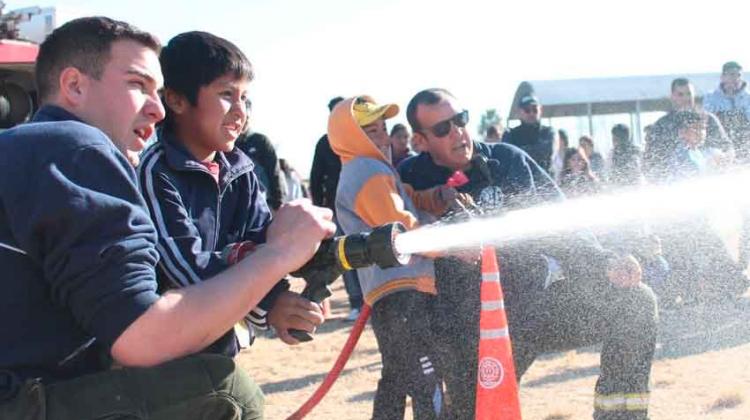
(442,128)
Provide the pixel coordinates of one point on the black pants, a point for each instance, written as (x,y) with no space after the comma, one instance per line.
(196,387)
(402,329)
(562,317)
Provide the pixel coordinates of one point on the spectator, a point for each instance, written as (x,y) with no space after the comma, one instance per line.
(531,136)
(662,139)
(324,179)
(79,252)
(558,155)
(576,178)
(400,144)
(494,133)
(731,104)
(295,188)
(596,161)
(261,151)
(626,158)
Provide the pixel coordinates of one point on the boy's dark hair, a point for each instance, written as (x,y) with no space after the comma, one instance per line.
(425,97)
(192,60)
(680,81)
(621,131)
(332,103)
(684,119)
(397,128)
(85,44)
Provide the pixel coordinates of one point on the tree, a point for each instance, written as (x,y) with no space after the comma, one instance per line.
(489,118)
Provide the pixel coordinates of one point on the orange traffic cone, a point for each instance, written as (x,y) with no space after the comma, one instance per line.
(497,390)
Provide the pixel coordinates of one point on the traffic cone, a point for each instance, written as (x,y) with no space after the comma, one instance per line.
(497,390)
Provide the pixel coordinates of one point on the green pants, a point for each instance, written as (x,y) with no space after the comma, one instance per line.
(196,387)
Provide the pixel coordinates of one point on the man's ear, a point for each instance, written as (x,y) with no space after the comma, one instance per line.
(176,102)
(74,86)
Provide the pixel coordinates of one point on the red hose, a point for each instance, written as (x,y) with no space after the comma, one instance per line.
(322,390)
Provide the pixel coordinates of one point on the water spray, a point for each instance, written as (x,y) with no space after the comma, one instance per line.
(664,203)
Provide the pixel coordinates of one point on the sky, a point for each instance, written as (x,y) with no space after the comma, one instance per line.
(306,52)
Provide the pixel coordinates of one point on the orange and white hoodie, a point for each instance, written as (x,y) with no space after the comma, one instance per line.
(369,194)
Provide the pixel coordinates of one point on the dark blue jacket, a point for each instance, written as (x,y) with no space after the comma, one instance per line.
(535,139)
(522,183)
(77,247)
(196,218)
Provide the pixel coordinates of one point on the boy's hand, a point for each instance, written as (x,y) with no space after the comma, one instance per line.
(292,311)
(297,230)
(624,271)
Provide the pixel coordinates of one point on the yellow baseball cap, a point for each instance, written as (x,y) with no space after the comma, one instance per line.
(366,111)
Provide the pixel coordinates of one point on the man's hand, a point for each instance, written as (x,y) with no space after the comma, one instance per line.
(292,311)
(297,230)
(624,271)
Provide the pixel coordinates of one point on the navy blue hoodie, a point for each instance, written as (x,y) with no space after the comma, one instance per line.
(196,218)
(77,247)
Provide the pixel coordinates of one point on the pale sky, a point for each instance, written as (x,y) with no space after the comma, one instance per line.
(305,52)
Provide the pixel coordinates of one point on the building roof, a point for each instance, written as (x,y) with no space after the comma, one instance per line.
(614,95)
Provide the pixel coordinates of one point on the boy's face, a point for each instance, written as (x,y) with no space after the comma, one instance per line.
(378,135)
(693,134)
(400,141)
(124,102)
(220,113)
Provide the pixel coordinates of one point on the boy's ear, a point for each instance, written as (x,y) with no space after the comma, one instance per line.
(176,102)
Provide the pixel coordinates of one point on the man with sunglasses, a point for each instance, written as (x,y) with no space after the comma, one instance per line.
(561,292)
(531,136)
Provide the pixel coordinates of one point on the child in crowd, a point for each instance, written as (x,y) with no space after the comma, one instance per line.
(204,199)
(576,178)
(370,193)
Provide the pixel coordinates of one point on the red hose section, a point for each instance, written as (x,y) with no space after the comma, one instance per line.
(327,383)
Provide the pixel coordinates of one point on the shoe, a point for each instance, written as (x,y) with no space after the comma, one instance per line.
(353,315)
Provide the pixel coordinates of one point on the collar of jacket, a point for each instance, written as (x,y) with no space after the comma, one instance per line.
(49,113)
(233,164)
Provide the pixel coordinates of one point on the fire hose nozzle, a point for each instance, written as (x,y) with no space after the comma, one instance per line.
(343,253)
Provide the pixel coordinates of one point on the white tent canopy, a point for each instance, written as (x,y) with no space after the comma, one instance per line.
(597,96)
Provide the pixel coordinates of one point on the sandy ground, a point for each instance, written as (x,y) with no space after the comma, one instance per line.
(702,370)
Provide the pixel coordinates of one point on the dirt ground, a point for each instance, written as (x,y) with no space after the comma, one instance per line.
(701,371)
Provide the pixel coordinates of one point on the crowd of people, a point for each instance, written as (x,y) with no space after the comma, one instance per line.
(133,278)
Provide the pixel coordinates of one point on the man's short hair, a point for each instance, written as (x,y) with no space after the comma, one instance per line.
(621,131)
(85,44)
(679,82)
(729,66)
(425,97)
(397,128)
(684,119)
(195,59)
(332,103)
